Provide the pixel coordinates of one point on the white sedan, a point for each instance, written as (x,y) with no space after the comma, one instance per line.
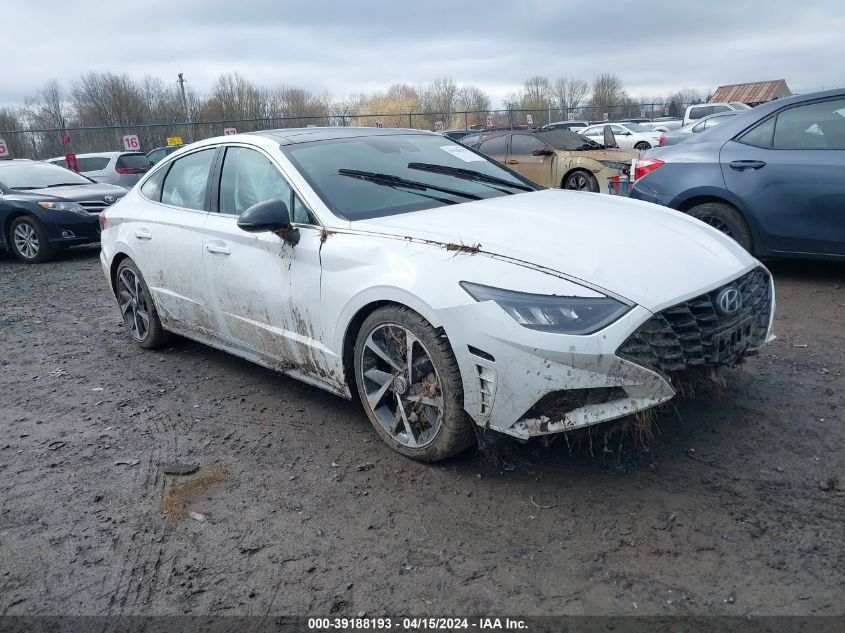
(446,291)
(628,135)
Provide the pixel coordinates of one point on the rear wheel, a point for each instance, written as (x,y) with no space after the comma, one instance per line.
(726,219)
(137,307)
(410,385)
(581,181)
(642,146)
(29,240)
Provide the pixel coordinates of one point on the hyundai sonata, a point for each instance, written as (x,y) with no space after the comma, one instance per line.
(444,290)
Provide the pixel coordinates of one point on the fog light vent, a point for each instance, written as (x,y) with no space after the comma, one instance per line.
(487,387)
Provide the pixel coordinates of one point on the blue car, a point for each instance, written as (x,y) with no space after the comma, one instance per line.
(773,177)
(44,208)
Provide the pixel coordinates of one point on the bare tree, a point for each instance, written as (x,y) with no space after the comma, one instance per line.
(569,93)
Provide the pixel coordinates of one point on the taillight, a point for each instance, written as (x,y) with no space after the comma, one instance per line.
(662,139)
(102,220)
(122,170)
(646,165)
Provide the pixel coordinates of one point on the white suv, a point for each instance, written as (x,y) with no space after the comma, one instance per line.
(701,110)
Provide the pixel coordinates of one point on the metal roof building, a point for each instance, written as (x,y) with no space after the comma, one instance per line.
(752,94)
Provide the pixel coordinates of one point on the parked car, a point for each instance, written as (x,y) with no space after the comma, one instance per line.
(157,154)
(575,126)
(555,158)
(666,123)
(701,110)
(443,288)
(113,168)
(673,138)
(628,135)
(457,135)
(44,207)
(773,178)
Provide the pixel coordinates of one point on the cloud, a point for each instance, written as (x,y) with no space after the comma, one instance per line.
(350,47)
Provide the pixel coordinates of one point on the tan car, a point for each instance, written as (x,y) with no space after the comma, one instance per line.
(555,158)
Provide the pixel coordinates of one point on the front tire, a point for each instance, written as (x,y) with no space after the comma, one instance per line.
(137,307)
(580,180)
(410,385)
(642,146)
(726,219)
(29,240)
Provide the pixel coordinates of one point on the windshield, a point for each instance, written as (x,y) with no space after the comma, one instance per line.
(374,176)
(39,176)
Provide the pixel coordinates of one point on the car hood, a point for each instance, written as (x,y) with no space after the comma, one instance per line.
(77,193)
(647,254)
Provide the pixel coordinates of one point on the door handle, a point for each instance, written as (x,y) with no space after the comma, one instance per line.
(217,248)
(742,165)
(143,234)
(511,161)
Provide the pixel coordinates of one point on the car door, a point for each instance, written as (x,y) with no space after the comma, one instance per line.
(789,171)
(624,138)
(166,240)
(265,292)
(538,168)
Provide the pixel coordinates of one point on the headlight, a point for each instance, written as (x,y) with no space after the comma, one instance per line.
(64,206)
(550,313)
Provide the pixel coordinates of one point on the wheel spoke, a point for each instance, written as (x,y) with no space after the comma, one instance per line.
(378,351)
(410,339)
(374,398)
(409,429)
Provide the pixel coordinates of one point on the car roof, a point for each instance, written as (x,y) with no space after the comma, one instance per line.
(292,136)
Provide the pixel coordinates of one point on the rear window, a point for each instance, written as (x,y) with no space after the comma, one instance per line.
(134,162)
(93,163)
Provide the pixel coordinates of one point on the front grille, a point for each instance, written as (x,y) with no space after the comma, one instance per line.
(693,333)
(93,206)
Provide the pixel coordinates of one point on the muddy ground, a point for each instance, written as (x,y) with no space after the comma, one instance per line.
(726,514)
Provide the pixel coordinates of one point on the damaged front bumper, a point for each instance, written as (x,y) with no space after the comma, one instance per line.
(526,383)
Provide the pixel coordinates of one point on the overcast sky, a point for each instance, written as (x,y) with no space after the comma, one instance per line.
(363,46)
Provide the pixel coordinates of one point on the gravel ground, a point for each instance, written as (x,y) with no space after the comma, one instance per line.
(735,510)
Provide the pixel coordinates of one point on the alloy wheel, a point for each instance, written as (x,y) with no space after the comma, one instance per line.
(133,305)
(402,386)
(717,224)
(26,240)
(578,182)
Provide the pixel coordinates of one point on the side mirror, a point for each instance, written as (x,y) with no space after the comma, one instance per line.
(269,216)
(542,152)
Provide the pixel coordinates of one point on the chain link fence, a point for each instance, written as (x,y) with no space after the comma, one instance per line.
(42,144)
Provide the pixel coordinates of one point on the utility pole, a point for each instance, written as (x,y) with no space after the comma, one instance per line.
(181,82)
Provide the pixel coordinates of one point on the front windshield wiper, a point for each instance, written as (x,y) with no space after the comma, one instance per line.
(67,184)
(468,174)
(390,180)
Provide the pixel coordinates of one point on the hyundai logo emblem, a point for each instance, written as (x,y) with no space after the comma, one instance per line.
(108,199)
(729,301)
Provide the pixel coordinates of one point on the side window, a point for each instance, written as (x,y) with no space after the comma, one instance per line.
(152,187)
(700,127)
(720,108)
(156,155)
(525,144)
(697,113)
(301,214)
(185,183)
(249,178)
(760,136)
(497,145)
(617,130)
(812,126)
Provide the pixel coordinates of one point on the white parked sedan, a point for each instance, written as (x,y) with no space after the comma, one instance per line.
(443,289)
(628,135)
